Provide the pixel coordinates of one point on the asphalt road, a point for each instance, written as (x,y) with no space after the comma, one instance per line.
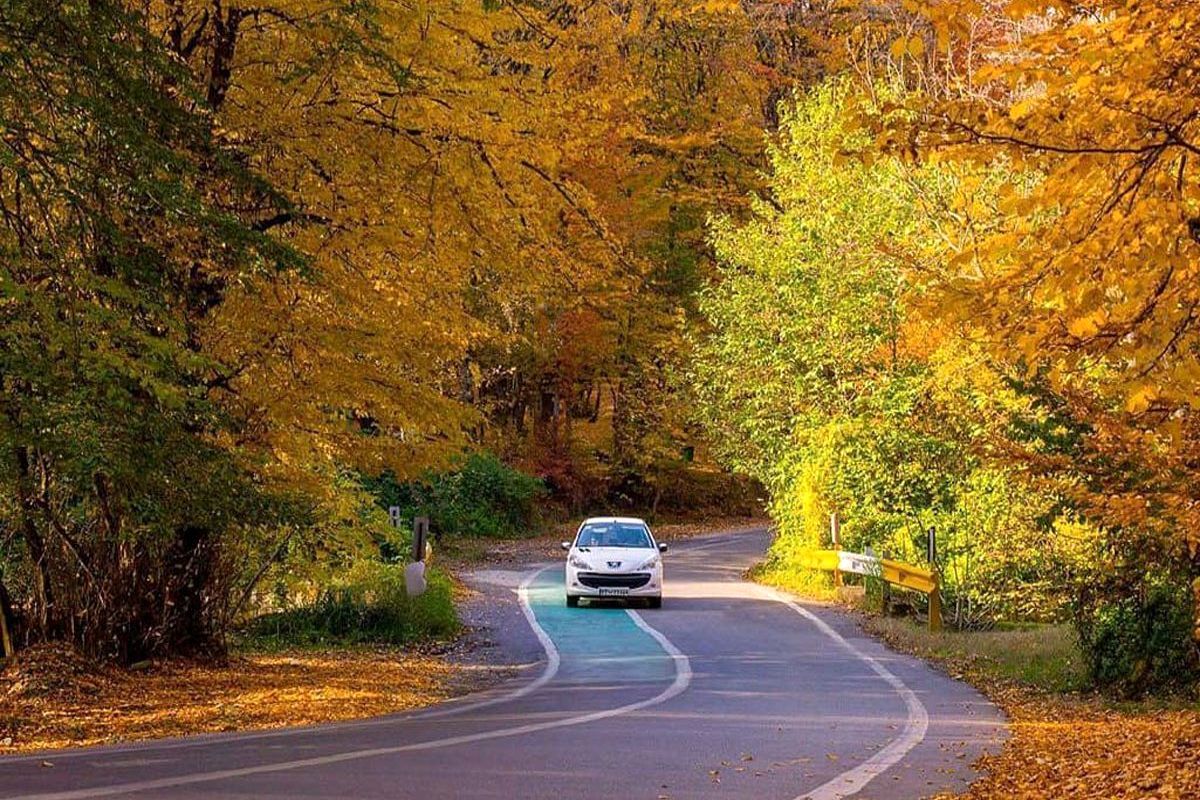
(729,690)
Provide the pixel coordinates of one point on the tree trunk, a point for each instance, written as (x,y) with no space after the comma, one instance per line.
(44,607)
(1195,554)
(224,43)
(7,623)
(187,625)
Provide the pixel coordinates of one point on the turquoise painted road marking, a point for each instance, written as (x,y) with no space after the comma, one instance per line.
(597,642)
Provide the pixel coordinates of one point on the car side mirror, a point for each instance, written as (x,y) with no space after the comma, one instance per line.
(566,545)
(662,547)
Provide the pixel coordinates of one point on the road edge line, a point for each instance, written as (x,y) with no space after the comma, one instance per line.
(683,664)
(453,706)
(853,781)
(553,660)
(683,678)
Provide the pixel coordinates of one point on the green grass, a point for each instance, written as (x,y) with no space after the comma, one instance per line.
(809,583)
(368,607)
(1042,657)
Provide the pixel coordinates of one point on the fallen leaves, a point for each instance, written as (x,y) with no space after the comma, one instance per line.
(54,698)
(1063,747)
(1072,746)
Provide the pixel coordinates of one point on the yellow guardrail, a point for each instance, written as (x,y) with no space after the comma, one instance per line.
(897,573)
(908,576)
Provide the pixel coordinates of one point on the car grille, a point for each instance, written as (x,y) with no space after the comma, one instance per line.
(629,580)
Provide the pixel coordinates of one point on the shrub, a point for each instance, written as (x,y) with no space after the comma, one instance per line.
(1140,642)
(480,496)
(367,605)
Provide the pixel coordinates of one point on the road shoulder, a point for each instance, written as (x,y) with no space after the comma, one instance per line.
(1069,744)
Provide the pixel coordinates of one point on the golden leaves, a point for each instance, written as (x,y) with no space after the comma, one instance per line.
(912,46)
(1061,746)
(1140,398)
(97,705)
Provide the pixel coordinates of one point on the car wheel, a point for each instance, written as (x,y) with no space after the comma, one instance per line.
(572,601)
(654,602)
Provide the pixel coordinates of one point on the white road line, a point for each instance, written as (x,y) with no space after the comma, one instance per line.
(853,781)
(459,705)
(683,665)
(683,677)
(553,661)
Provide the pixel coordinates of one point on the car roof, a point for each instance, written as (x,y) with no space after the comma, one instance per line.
(628,520)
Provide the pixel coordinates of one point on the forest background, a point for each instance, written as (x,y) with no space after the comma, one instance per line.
(271,267)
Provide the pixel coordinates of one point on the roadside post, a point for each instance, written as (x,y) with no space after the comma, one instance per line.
(835,530)
(935,595)
(414,573)
(420,538)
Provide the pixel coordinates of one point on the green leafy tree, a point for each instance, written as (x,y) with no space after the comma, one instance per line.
(819,379)
(121,230)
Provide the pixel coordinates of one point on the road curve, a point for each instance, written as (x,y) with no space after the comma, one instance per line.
(729,690)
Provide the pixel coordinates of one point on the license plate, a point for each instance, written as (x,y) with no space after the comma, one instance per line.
(609,591)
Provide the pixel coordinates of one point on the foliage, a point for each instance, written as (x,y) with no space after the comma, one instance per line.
(1136,643)
(471,211)
(249,251)
(365,604)
(479,496)
(1082,284)
(818,379)
(121,228)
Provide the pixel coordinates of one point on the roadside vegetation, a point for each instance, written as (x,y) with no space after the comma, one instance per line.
(958,310)
(366,604)
(269,269)
(1041,658)
(858,393)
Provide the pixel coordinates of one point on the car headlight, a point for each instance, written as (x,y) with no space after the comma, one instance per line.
(578,563)
(650,563)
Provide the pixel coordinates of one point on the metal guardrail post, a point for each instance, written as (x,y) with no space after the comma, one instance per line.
(935,596)
(835,529)
(935,604)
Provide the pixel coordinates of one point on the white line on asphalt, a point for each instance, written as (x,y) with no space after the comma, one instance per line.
(683,665)
(683,677)
(852,781)
(552,660)
(456,706)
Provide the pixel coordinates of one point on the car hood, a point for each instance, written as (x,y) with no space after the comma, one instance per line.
(628,558)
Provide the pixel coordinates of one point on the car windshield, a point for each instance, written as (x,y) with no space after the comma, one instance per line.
(613,534)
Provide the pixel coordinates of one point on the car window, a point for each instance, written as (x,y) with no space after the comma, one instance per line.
(613,534)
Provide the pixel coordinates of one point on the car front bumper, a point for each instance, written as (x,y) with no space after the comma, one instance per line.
(614,585)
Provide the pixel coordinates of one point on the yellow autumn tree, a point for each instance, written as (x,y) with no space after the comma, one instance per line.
(1086,286)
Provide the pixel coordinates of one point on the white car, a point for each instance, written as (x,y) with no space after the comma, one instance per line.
(614,557)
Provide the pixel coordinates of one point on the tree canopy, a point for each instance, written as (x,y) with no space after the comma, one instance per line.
(925,264)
